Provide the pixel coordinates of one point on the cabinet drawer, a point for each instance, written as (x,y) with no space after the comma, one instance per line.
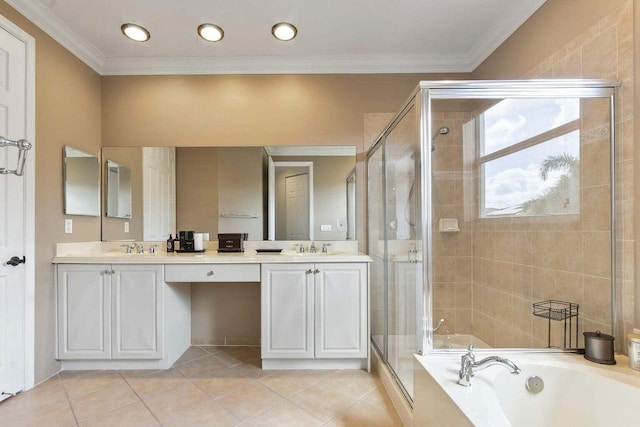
(212,273)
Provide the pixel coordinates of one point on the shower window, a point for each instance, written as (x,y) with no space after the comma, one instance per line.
(529,160)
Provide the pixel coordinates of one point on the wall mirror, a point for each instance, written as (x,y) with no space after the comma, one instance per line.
(118,186)
(81,176)
(229,190)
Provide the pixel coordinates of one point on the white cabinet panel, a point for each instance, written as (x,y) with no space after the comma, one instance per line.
(110,312)
(84,299)
(314,311)
(137,312)
(287,311)
(341,310)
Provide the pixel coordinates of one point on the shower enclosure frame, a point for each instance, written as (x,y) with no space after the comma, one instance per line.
(422,98)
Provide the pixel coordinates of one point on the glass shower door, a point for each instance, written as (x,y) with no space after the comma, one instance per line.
(376,249)
(403,225)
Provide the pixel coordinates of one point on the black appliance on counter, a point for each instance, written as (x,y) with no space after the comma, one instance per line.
(231,242)
(186,241)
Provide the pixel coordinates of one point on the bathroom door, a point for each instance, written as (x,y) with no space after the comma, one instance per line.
(12,216)
(297,207)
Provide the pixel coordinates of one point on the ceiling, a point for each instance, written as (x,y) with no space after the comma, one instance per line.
(334,36)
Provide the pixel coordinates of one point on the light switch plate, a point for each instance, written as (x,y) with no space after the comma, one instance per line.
(342,225)
(325,227)
(68,226)
(126,226)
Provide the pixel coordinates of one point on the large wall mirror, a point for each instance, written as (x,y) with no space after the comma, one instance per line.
(81,175)
(234,190)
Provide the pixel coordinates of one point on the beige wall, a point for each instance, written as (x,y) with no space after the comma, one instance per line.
(247,110)
(197,190)
(68,101)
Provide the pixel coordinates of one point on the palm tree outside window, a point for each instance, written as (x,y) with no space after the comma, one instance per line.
(529,157)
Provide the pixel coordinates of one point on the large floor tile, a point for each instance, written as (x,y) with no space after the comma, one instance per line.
(250,402)
(208,414)
(102,402)
(323,401)
(285,414)
(156,382)
(134,415)
(164,406)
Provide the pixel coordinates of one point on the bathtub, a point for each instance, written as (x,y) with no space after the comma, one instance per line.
(576,392)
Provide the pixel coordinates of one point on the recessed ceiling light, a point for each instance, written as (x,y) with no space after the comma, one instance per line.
(135,32)
(210,32)
(284,31)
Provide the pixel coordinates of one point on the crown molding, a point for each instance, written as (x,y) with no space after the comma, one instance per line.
(60,32)
(325,150)
(286,65)
(508,24)
(373,64)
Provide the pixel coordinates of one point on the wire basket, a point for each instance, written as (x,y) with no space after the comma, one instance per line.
(555,309)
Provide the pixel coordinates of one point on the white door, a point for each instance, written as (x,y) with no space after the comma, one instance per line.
(158,193)
(297,207)
(341,310)
(287,311)
(12,216)
(137,331)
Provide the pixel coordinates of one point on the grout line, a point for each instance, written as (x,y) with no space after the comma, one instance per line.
(66,393)
(141,399)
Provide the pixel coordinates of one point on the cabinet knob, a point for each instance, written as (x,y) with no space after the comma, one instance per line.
(316,271)
(309,271)
(210,273)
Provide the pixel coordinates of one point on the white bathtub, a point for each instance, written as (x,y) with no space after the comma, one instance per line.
(576,392)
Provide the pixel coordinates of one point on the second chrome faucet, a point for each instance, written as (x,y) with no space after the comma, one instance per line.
(468,365)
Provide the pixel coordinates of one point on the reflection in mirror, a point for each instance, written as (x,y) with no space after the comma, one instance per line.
(118,190)
(81,183)
(307,194)
(224,190)
(351,205)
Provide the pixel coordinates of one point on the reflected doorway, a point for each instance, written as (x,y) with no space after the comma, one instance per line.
(291,201)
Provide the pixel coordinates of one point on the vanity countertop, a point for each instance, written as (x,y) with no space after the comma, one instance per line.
(110,253)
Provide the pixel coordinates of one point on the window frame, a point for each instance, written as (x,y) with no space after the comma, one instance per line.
(519,146)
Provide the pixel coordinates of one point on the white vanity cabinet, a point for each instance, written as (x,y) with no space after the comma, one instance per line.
(110,312)
(314,311)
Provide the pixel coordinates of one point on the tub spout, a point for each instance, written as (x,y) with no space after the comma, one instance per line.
(496,360)
(468,365)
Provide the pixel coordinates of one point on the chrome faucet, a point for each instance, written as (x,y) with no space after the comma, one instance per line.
(325,247)
(312,248)
(139,247)
(468,364)
(300,248)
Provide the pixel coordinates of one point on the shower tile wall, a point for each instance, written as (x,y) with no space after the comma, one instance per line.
(488,275)
(453,262)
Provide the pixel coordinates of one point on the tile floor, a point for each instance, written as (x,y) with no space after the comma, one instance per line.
(208,386)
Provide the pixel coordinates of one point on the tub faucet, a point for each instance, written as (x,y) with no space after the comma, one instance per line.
(468,364)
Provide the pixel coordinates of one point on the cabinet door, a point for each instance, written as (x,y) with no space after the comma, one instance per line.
(84,318)
(138,326)
(287,311)
(341,310)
